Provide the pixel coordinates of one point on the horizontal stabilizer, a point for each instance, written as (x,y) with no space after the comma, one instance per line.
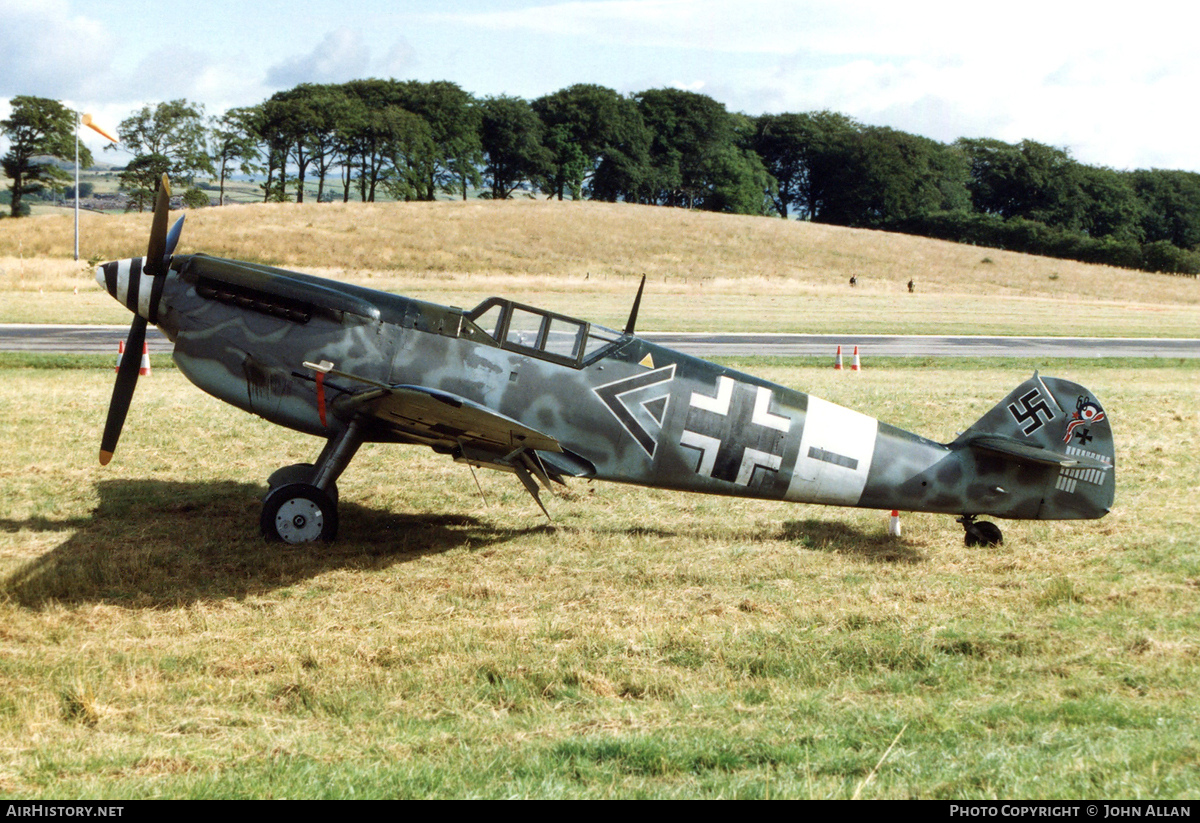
(1035,454)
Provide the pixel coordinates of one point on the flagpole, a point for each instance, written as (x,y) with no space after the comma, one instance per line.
(76,185)
(85,119)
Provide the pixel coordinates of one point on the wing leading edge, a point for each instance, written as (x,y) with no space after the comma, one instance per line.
(442,418)
(470,432)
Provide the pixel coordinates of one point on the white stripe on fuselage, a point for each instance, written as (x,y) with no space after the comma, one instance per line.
(836,447)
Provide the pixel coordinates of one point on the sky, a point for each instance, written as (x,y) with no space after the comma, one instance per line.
(1113,83)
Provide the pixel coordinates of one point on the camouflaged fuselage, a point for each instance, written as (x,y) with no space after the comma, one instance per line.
(622,409)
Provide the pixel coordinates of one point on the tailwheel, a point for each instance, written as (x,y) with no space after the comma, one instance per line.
(299,513)
(980,532)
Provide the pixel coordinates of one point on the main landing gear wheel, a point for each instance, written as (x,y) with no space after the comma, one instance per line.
(299,513)
(298,473)
(981,532)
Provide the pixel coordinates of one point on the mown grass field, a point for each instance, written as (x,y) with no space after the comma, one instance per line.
(705,271)
(645,644)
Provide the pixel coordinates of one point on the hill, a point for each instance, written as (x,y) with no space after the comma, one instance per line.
(705,270)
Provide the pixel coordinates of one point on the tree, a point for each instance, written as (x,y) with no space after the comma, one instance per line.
(802,152)
(346,140)
(454,120)
(1111,205)
(510,133)
(141,178)
(333,106)
(195,198)
(883,175)
(37,129)
(737,182)
(566,167)
(1172,202)
(289,120)
(1030,180)
(305,119)
(589,127)
(173,130)
(406,141)
(233,142)
(271,144)
(698,155)
(366,133)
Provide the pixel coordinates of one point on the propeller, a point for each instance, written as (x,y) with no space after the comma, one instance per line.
(157,263)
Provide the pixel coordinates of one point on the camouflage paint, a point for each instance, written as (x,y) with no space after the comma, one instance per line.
(626,411)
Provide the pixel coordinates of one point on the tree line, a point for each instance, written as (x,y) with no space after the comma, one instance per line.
(412,140)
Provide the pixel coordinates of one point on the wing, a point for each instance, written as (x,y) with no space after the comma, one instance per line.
(449,422)
(470,432)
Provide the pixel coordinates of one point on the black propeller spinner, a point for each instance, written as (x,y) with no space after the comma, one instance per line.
(157,263)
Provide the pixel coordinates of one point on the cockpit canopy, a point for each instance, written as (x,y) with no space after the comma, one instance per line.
(540,333)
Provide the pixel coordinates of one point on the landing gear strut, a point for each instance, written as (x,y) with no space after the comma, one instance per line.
(981,532)
(302,504)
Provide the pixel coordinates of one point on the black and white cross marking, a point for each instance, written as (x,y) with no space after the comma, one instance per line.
(1032,405)
(640,404)
(735,432)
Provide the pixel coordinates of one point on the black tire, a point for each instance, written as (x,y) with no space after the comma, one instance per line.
(299,513)
(984,533)
(297,473)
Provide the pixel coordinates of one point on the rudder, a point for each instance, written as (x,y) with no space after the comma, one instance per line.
(1059,425)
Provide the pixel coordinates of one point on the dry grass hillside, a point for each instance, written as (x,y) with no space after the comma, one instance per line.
(705,268)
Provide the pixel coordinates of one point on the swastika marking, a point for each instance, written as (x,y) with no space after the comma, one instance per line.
(1032,405)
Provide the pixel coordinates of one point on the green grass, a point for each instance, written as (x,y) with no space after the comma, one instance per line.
(646,644)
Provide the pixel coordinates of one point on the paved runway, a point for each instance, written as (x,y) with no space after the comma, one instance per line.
(895,345)
(104,339)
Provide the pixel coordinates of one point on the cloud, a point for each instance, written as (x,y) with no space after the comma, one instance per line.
(1102,81)
(341,55)
(48,52)
(712,24)
(401,57)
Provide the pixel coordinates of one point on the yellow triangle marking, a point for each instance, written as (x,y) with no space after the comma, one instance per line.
(647,361)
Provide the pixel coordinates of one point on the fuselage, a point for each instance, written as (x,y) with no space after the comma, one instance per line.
(623,409)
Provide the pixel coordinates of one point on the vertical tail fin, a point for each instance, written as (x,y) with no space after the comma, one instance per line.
(1062,427)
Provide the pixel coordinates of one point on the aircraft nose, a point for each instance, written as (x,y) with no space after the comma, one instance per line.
(126,282)
(109,277)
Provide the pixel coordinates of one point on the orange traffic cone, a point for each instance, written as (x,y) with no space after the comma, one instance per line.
(856,366)
(837,361)
(120,355)
(894,524)
(145,367)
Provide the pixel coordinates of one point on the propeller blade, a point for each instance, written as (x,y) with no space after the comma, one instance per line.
(127,377)
(156,290)
(158,231)
(173,238)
